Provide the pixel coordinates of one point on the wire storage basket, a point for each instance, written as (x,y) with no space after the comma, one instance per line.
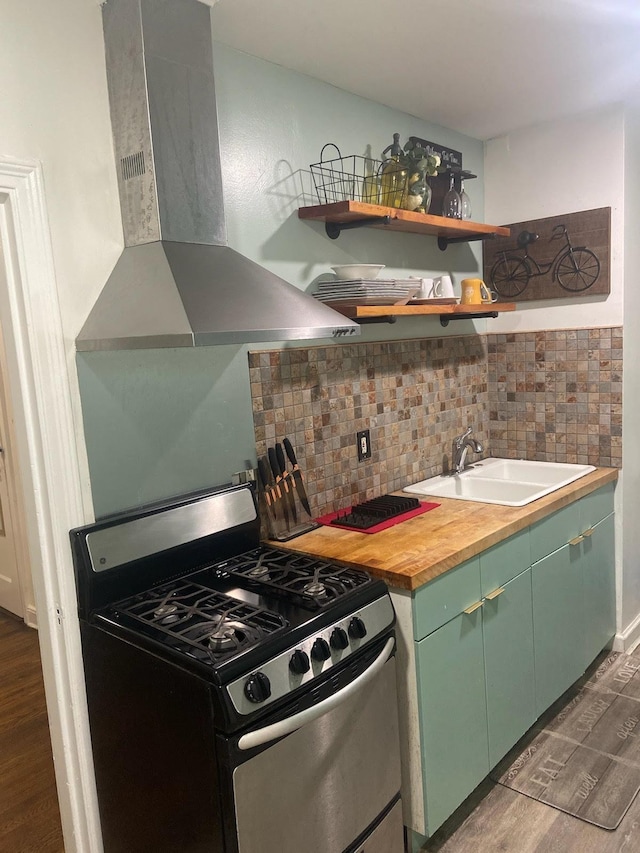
(357,178)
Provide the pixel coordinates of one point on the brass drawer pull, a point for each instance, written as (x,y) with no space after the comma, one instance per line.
(577,540)
(473,607)
(496,592)
(588,532)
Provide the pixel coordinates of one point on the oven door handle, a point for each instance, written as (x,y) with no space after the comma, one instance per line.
(290,724)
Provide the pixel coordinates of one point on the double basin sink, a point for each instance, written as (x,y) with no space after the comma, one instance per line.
(510,482)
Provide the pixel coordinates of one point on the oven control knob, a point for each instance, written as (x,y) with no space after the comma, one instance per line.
(299,663)
(257,687)
(339,639)
(320,650)
(357,628)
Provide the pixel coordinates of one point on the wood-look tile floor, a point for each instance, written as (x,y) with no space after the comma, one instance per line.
(496,819)
(29,814)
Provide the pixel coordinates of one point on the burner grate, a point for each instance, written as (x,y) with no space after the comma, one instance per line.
(199,621)
(294,576)
(368,514)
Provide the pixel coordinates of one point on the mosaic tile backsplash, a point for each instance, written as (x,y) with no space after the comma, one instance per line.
(557,396)
(540,395)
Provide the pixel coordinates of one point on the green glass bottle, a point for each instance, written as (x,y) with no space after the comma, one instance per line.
(393,179)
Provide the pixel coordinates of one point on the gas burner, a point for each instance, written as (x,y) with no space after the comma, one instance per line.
(314,588)
(259,571)
(229,634)
(166,614)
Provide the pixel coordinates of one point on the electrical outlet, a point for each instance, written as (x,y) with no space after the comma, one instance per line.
(363,442)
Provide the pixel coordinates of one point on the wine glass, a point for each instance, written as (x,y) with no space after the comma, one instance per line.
(465,201)
(452,203)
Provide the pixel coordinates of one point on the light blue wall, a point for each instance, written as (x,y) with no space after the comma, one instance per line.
(163,422)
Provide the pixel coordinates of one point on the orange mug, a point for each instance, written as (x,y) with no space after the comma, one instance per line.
(476,292)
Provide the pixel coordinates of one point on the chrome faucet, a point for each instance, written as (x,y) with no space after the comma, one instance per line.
(461,445)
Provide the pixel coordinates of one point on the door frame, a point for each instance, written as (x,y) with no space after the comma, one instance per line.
(14,492)
(52,485)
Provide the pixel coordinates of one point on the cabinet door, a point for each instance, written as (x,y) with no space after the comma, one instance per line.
(453,715)
(598,573)
(558,623)
(508,652)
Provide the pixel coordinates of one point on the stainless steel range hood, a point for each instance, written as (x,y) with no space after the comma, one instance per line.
(177,283)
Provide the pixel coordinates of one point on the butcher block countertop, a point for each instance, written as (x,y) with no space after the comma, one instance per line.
(416,551)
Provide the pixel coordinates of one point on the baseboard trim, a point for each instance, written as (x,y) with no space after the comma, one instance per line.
(31,618)
(627,640)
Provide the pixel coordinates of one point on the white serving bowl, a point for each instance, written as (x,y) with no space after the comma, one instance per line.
(351,272)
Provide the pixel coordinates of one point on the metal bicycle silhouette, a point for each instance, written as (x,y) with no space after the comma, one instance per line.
(574,268)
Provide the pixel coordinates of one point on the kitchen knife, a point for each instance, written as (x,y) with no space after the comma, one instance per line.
(263,476)
(297,475)
(273,461)
(287,481)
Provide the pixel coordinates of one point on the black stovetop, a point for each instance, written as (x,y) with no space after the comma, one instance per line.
(231,615)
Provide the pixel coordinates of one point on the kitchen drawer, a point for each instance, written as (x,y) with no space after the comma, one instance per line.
(596,506)
(500,564)
(442,599)
(554,531)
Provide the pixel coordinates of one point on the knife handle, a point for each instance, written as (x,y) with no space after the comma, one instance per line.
(273,461)
(281,466)
(263,476)
(289,451)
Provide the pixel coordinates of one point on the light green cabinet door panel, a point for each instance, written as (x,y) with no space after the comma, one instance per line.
(554,531)
(509,665)
(558,623)
(599,585)
(596,506)
(453,715)
(437,602)
(498,565)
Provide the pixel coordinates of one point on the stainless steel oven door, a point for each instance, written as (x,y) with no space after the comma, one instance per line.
(318,789)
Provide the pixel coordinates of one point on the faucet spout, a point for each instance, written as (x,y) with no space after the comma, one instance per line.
(461,446)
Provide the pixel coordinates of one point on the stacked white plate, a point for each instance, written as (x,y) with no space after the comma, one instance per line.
(368,292)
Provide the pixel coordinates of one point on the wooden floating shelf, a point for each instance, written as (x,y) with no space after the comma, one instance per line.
(358,312)
(351,214)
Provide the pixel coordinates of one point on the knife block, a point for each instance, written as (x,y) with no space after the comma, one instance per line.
(277,528)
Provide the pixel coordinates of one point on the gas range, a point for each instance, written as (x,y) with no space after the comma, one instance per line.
(291,616)
(260,624)
(235,665)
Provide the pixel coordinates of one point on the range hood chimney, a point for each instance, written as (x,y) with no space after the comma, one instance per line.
(177,283)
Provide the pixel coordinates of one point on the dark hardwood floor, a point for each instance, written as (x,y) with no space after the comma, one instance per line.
(29,815)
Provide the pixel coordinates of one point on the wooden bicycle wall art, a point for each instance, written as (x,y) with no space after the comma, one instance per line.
(552,258)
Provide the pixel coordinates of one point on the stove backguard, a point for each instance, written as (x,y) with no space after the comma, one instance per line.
(130,552)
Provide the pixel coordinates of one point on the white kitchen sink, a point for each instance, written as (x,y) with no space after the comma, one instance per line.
(510,482)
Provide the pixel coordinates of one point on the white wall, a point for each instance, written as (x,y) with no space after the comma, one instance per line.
(561,167)
(54,108)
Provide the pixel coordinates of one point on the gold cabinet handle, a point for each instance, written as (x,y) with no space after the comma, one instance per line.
(496,592)
(576,541)
(588,532)
(473,607)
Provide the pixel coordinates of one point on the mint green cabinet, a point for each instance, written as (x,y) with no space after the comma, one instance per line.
(453,715)
(499,638)
(474,672)
(558,617)
(573,592)
(599,587)
(507,625)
